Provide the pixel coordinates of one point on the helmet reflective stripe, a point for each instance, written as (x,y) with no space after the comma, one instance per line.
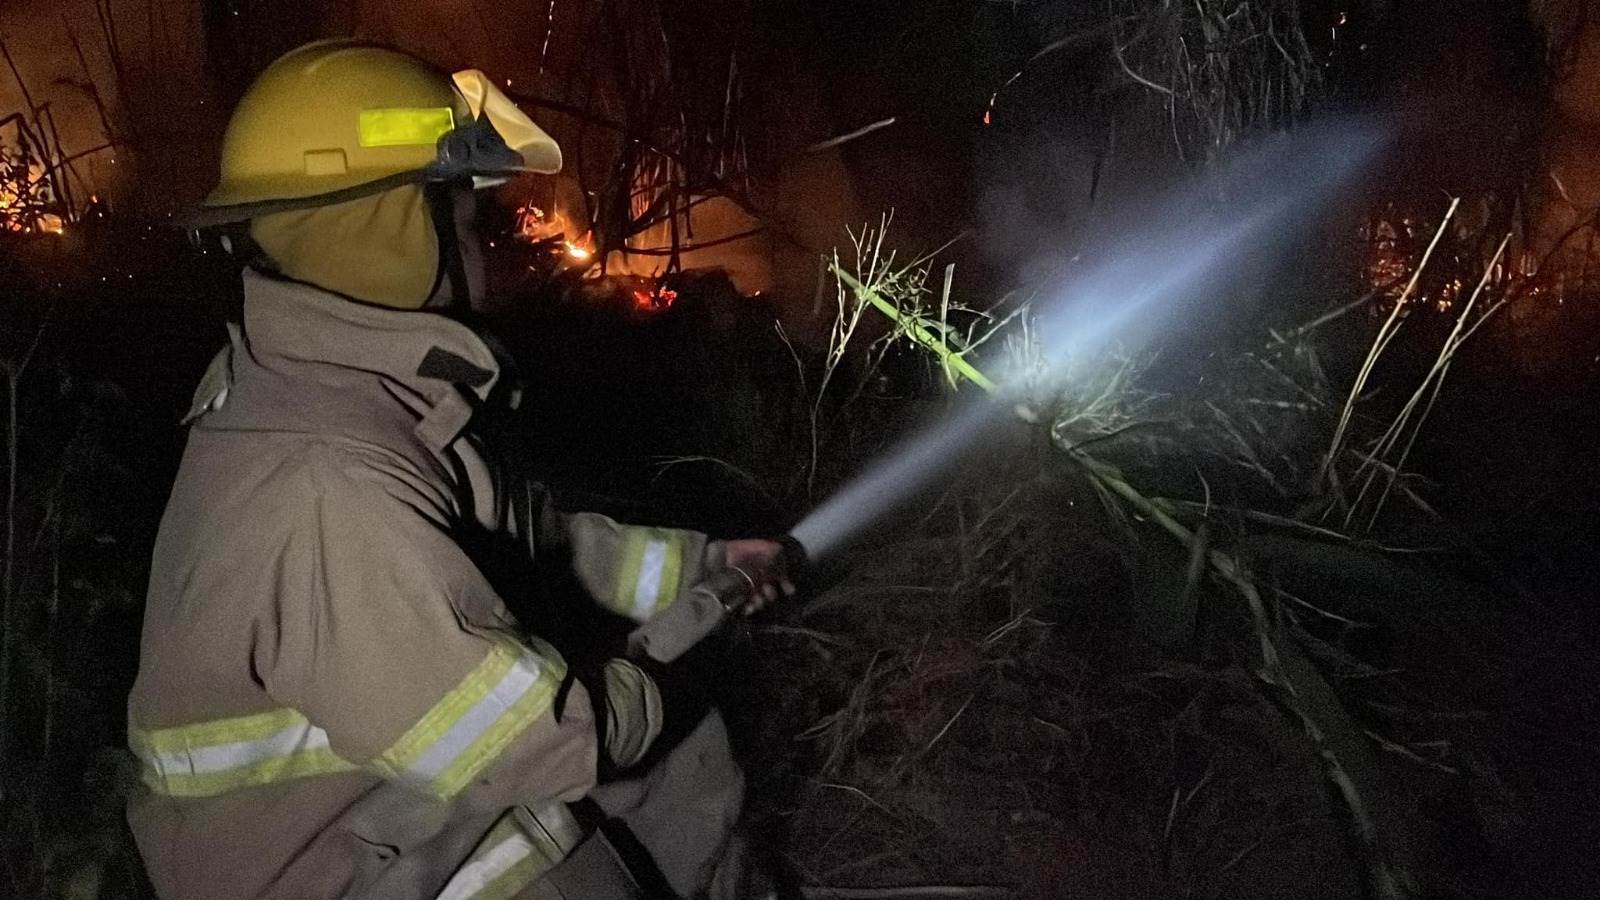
(461,735)
(211,758)
(405,127)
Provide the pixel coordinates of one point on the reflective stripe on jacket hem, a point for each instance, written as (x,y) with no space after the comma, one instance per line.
(464,732)
(514,853)
(224,755)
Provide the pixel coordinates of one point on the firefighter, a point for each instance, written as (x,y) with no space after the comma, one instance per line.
(333,698)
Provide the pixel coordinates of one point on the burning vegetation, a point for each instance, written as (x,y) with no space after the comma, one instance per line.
(31,201)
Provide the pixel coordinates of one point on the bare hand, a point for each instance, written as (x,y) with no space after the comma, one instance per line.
(762,562)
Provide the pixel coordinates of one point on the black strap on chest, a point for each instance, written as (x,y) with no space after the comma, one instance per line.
(441,206)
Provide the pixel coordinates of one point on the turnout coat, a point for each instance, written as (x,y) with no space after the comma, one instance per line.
(332,699)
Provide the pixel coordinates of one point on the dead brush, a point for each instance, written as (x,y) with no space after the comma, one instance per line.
(1219,68)
(1215,70)
(63,773)
(895,799)
(987,727)
(1257,427)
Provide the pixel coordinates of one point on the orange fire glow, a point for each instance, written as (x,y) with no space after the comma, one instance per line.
(657,299)
(535,226)
(576,250)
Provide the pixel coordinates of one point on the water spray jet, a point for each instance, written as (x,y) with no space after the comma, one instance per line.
(1150,280)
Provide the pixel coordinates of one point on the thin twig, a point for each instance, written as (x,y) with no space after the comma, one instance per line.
(946,728)
(1405,752)
(852,789)
(863,131)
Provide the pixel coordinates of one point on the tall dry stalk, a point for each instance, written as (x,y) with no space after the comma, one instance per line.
(1432,383)
(869,257)
(654,133)
(1380,343)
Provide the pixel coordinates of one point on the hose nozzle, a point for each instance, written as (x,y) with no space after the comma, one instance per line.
(703,608)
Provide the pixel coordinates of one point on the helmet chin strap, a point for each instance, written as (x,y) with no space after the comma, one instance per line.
(441,207)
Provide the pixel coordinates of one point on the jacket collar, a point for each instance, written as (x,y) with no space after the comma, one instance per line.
(442,363)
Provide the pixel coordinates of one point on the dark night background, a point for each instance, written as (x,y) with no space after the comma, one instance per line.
(1015,683)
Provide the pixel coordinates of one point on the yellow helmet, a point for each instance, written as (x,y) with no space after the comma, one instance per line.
(335,121)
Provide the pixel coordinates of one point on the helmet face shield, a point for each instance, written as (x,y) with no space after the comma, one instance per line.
(474,150)
(535,150)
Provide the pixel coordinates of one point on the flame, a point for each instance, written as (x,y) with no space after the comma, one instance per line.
(25,195)
(535,226)
(574,249)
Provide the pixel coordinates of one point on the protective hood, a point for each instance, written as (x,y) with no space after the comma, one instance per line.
(380,249)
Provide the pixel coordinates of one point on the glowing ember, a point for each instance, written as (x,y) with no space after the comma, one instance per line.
(577,252)
(534,224)
(653,300)
(1394,248)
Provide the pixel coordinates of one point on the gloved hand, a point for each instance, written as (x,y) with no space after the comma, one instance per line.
(633,711)
(762,562)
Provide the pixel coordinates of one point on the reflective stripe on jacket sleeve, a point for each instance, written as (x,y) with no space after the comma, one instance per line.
(647,572)
(466,730)
(634,571)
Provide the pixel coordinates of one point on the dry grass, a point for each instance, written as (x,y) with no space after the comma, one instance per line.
(972,725)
